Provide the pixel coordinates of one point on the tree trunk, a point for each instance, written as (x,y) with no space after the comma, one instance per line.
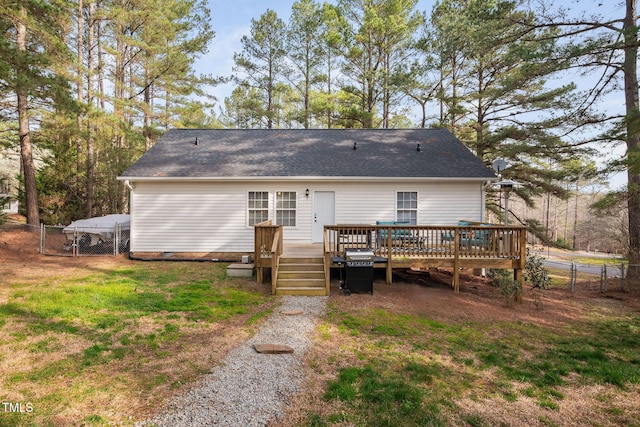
(575,219)
(90,143)
(555,220)
(329,94)
(80,50)
(26,153)
(633,135)
(101,93)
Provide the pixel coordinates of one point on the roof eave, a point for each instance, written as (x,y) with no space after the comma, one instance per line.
(299,178)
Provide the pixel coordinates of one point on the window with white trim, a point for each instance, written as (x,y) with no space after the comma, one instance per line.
(407,207)
(286,208)
(258,207)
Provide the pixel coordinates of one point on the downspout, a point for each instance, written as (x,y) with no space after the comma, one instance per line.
(483,197)
(130,187)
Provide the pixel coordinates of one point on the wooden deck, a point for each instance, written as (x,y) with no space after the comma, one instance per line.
(303,250)
(403,246)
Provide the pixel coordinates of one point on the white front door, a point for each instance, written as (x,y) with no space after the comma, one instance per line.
(324,205)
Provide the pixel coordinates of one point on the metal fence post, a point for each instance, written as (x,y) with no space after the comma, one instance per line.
(116,239)
(75,242)
(603,278)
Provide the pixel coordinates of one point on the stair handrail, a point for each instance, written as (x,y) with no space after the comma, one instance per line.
(327,262)
(276,252)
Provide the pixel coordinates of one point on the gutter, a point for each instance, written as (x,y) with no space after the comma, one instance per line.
(301,178)
(483,200)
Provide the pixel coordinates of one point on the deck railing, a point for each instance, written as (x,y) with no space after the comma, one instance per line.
(268,245)
(418,241)
(457,247)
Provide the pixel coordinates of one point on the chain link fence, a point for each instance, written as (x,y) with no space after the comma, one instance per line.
(612,276)
(66,241)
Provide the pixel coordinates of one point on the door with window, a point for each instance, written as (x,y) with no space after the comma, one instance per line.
(324,206)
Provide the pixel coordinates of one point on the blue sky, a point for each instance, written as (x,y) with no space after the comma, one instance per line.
(232,19)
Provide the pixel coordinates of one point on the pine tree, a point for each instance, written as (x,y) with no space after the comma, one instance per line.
(306,49)
(499,101)
(261,61)
(607,46)
(33,56)
(375,39)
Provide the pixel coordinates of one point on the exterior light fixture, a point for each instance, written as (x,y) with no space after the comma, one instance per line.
(507,186)
(306,193)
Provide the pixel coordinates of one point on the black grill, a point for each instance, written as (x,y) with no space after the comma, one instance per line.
(359,271)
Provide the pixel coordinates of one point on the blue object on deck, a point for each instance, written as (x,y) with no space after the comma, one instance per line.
(471,238)
(396,233)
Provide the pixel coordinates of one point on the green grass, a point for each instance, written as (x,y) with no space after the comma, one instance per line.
(600,261)
(405,382)
(122,323)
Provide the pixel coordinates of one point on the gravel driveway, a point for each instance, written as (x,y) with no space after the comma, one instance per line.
(249,388)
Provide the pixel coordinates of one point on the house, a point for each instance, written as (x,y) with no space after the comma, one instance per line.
(203,190)
(9,205)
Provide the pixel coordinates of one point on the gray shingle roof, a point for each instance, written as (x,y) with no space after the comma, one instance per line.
(230,153)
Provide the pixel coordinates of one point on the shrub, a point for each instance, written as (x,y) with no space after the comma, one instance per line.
(535,273)
(510,288)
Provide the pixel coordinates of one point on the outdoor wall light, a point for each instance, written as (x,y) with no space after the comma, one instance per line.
(506,186)
(306,193)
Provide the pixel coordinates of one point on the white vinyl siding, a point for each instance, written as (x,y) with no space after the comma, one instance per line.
(437,204)
(215,217)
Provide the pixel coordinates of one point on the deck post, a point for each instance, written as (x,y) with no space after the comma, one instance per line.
(327,262)
(456,263)
(518,273)
(389,256)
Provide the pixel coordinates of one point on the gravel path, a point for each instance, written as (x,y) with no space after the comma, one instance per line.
(249,388)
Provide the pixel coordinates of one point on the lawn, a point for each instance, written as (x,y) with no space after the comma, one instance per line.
(104,341)
(416,356)
(87,345)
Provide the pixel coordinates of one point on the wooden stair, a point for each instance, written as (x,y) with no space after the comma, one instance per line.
(301,276)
